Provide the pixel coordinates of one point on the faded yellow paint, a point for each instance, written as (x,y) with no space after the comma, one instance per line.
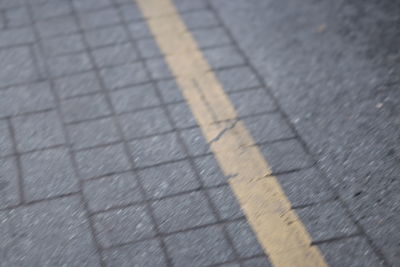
(277,227)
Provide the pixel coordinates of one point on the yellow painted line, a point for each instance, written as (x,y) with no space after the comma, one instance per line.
(277,227)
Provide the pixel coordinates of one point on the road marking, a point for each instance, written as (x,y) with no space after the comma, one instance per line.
(277,227)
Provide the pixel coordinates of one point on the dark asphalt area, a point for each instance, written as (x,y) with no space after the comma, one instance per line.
(103,164)
(334,67)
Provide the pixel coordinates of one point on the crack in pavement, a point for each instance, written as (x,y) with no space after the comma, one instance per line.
(215,139)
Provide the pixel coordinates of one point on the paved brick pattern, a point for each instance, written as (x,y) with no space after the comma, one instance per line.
(102,163)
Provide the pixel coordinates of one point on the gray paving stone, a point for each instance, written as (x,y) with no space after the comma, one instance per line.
(168,179)
(48,173)
(124,75)
(50,9)
(268,127)
(206,38)
(10,4)
(17,36)
(244,239)
(189,5)
(39,61)
(102,161)
(155,150)
(134,98)
(222,57)
(114,55)
(93,133)
(122,1)
(382,228)
(9,191)
(170,91)
(106,36)
(354,252)
(69,64)
(100,18)
(139,30)
(238,78)
(286,155)
(63,44)
(130,11)
(35,2)
(229,265)
(325,221)
(3,20)
(209,171)
(195,142)
(146,253)
(199,247)
(27,98)
(123,225)
(6,146)
(226,203)
(76,85)
(182,115)
(252,102)
(305,187)
(85,5)
(112,191)
(16,66)
(57,26)
(143,123)
(257,262)
(37,131)
(148,48)
(158,68)
(199,19)
(85,107)
(17,16)
(182,212)
(28,235)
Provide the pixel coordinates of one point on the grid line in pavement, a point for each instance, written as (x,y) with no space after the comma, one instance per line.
(59,112)
(125,144)
(297,135)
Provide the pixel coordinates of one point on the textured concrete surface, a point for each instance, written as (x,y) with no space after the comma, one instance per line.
(334,69)
(103,164)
